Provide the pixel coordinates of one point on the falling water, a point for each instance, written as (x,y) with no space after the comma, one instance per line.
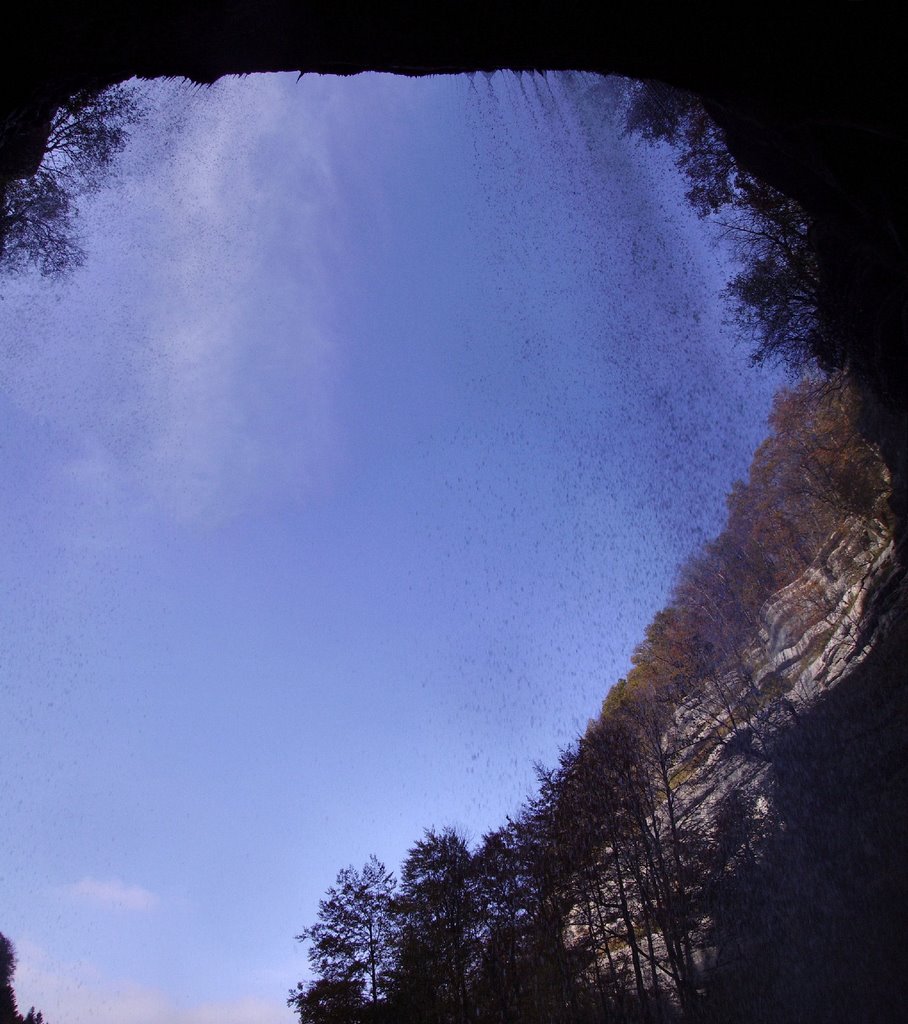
(343,480)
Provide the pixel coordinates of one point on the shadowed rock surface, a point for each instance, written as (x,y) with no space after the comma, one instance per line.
(815,931)
(793,773)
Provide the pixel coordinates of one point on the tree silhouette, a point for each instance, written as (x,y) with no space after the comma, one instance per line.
(438,915)
(38,213)
(776,298)
(9,1014)
(351,942)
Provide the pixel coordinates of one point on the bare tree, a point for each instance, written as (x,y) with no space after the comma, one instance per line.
(38,213)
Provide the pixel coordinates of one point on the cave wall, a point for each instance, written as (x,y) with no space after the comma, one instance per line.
(815,103)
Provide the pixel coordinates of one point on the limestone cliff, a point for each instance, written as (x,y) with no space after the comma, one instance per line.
(789,770)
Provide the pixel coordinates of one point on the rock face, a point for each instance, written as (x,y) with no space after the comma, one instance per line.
(812,747)
(815,633)
(788,791)
(826,621)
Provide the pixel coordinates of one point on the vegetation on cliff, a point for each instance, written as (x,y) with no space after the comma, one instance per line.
(778,298)
(621,890)
(602,898)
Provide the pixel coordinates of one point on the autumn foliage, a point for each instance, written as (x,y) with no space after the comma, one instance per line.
(597,900)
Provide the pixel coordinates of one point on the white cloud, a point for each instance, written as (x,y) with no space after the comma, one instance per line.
(79,994)
(113,893)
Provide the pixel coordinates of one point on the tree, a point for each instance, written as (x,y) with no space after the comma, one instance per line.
(439,918)
(38,213)
(503,900)
(352,944)
(8,1012)
(326,1001)
(546,845)
(776,298)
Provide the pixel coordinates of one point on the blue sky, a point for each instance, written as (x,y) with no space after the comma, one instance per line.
(341,482)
